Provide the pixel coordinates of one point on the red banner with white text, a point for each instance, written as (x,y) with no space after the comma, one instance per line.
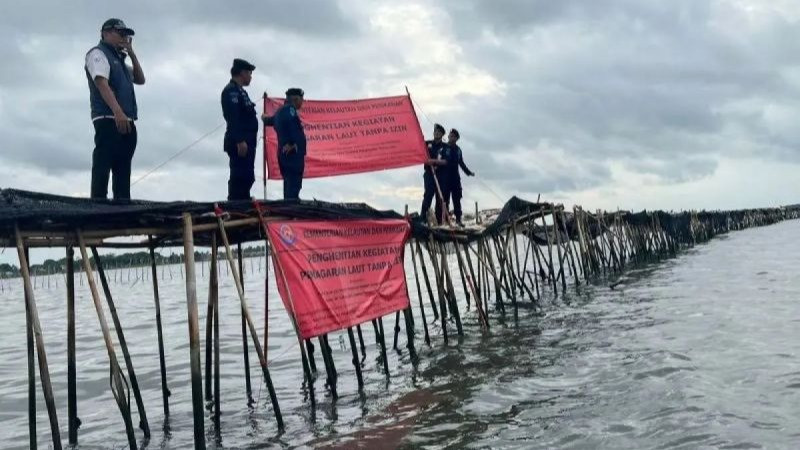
(352,136)
(333,275)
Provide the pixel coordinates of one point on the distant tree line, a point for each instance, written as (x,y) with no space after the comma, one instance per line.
(123,260)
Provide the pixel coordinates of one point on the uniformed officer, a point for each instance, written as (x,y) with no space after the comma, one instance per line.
(455,160)
(291,143)
(434,171)
(241,130)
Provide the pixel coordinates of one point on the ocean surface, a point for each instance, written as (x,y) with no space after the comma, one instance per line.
(697,351)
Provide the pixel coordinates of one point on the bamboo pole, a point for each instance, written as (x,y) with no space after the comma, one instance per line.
(461,271)
(481,314)
(214,289)
(498,287)
(307,369)
(419,296)
(396,328)
(356,363)
(549,254)
(119,386)
(31,364)
(330,367)
(439,289)
(427,281)
(162,361)
(266,296)
(329,377)
(311,361)
(557,233)
(72,399)
(44,370)
(210,331)
(383,347)
(251,325)
(446,277)
(245,348)
(143,424)
(361,342)
(194,333)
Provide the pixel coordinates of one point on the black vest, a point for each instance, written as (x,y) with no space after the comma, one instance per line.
(121,82)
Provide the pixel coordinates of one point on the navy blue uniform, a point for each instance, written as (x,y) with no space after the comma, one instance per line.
(242,126)
(292,164)
(455,160)
(435,151)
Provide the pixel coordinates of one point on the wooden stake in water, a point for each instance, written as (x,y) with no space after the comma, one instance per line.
(427,281)
(382,338)
(356,363)
(44,370)
(31,367)
(161,357)
(213,299)
(112,309)
(419,295)
(251,325)
(245,349)
(72,399)
(194,333)
(210,332)
(119,386)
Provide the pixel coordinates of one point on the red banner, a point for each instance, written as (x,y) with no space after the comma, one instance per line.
(334,275)
(353,136)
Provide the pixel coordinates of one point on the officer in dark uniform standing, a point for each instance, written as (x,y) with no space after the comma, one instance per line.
(291,143)
(455,160)
(434,165)
(241,130)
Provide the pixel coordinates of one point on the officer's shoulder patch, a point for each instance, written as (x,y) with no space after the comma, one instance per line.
(292,111)
(234,97)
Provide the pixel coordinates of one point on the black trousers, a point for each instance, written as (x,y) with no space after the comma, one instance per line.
(292,184)
(242,171)
(113,153)
(428,198)
(456,194)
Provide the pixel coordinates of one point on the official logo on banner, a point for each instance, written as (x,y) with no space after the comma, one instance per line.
(338,274)
(287,234)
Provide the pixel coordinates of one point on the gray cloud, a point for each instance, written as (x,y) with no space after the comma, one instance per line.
(556,94)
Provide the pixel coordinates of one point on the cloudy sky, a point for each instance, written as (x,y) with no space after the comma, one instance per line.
(615,103)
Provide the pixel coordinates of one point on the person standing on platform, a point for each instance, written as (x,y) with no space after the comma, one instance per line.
(434,171)
(113,106)
(455,160)
(241,130)
(291,143)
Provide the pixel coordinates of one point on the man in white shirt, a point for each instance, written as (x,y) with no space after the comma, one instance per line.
(113,107)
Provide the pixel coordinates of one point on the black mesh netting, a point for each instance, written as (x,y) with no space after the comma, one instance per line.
(34,211)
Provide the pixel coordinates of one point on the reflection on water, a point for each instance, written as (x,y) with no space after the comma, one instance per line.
(698,351)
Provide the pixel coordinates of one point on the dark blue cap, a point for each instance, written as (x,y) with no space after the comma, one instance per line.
(240,65)
(117,25)
(294,91)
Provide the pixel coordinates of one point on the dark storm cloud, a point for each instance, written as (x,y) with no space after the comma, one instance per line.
(659,88)
(627,79)
(85,16)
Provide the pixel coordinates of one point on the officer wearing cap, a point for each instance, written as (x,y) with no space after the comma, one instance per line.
(455,160)
(241,130)
(434,172)
(113,108)
(291,143)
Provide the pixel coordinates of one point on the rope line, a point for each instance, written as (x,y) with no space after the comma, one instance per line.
(184,150)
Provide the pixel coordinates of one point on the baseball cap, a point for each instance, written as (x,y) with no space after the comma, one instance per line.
(118,25)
